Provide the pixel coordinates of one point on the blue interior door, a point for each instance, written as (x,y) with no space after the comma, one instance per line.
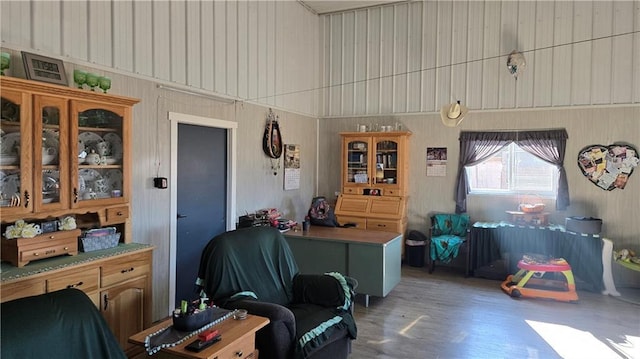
(202,198)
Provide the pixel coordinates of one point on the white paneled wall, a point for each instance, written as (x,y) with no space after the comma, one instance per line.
(419,55)
(262,51)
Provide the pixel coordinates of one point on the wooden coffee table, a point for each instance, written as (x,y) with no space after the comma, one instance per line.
(238,340)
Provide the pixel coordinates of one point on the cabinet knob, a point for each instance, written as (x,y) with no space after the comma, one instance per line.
(52,237)
(119,213)
(66,248)
(239,354)
(75,195)
(36,254)
(127,270)
(26,199)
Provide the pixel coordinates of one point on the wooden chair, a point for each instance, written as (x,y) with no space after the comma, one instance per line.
(448,232)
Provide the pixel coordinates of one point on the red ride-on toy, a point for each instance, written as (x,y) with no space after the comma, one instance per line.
(538,279)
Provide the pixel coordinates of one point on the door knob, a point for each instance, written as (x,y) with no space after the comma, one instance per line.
(181,216)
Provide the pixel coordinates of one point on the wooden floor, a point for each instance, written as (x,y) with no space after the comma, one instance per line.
(444,315)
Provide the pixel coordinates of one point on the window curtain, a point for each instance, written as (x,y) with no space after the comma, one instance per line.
(476,147)
(550,147)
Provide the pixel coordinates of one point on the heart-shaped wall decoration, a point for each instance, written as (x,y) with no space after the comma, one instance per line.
(608,167)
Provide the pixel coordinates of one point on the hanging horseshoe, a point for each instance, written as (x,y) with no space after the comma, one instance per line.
(272,141)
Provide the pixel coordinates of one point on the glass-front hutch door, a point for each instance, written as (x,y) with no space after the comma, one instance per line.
(387,170)
(16,194)
(99,154)
(357,171)
(51,153)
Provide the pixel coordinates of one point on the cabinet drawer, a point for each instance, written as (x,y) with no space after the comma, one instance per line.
(352,190)
(117,214)
(85,280)
(241,349)
(22,288)
(382,225)
(125,268)
(53,248)
(393,192)
(360,222)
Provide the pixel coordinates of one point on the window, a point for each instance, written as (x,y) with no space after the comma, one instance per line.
(513,171)
(518,171)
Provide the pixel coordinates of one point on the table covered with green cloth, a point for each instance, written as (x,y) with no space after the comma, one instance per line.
(493,241)
(63,324)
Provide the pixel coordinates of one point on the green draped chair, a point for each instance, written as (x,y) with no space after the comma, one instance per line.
(254,269)
(448,232)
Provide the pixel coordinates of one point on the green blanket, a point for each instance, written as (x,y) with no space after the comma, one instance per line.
(63,324)
(248,260)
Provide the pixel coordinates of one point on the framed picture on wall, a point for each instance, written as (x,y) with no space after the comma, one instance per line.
(44,69)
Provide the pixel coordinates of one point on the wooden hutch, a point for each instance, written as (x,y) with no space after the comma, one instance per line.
(50,169)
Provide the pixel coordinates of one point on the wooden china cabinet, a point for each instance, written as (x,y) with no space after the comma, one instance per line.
(375,168)
(67,152)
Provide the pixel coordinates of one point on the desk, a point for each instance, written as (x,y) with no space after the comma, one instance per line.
(493,241)
(372,257)
(238,340)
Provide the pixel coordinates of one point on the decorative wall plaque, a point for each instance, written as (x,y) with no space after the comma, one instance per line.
(608,167)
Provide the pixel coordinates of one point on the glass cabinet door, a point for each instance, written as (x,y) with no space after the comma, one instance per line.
(51,153)
(386,161)
(357,161)
(15,153)
(99,154)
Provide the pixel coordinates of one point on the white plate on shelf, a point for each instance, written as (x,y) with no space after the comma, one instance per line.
(51,138)
(85,180)
(82,153)
(9,143)
(89,141)
(90,175)
(82,186)
(10,185)
(46,200)
(6,160)
(94,181)
(114,179)
(50,181)
(110,160)
(116,145)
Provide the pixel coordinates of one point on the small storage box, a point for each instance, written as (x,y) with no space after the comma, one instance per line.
(94,243)
(587,225)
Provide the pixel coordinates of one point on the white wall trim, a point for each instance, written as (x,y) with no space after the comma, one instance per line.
(232,128)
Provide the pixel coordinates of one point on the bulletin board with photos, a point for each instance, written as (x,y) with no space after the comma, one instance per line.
(608,167)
